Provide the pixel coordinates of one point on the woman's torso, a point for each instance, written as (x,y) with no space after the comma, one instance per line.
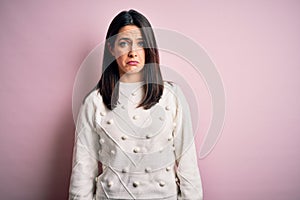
(137,151)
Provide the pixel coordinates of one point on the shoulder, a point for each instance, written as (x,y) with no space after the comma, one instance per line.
(93,98)
(171,88)
(90,106)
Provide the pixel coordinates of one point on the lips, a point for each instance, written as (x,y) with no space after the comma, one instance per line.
(133,63)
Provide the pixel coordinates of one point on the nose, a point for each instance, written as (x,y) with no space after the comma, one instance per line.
(133,52)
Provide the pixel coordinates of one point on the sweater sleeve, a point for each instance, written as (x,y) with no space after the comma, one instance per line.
(85,161)
(190,184)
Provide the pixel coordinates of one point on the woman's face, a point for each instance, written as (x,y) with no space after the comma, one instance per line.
(128,50)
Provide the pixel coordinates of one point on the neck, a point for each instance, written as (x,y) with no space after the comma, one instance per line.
(131,78)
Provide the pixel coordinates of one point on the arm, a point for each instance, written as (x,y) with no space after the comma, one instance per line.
(190,184)
(85,161)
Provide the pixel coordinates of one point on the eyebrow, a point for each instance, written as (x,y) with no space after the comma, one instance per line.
(125,38)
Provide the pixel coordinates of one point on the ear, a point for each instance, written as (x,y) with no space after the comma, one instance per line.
(110,48)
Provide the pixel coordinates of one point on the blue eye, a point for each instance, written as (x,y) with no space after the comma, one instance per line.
(141,44)
(123,44)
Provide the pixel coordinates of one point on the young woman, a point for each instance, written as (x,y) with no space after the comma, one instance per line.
(135,124)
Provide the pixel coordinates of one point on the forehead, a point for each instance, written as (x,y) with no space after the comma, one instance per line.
(130,31)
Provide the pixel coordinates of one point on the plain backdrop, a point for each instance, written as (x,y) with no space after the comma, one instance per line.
(254,44)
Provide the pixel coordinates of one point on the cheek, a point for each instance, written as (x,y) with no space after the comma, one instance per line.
(121,60)
(119,54)
(142,56)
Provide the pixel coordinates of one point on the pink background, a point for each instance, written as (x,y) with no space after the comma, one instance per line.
(255,46)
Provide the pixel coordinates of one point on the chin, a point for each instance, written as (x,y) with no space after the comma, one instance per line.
(133,70)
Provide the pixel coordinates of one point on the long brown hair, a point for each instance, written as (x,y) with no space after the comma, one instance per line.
(153,83)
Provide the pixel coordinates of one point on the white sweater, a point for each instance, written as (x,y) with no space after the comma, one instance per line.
(145,154)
